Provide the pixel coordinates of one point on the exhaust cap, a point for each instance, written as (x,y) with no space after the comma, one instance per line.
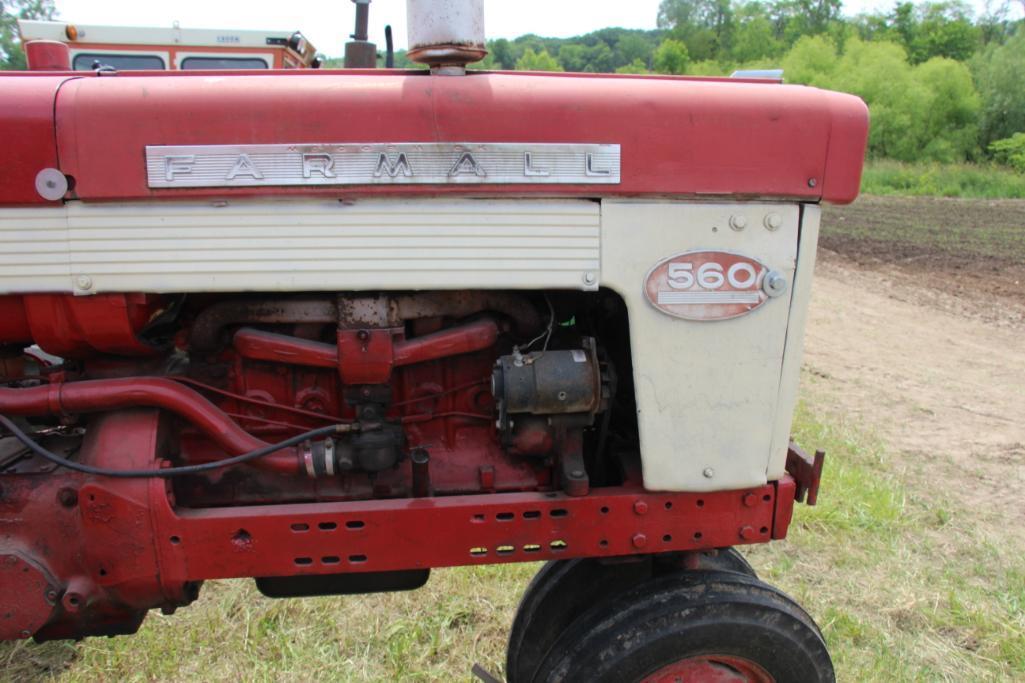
(445,33)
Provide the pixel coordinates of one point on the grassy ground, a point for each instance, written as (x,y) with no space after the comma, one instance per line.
(904,586)
(885,177)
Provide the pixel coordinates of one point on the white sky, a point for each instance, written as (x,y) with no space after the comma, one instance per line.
(328,23)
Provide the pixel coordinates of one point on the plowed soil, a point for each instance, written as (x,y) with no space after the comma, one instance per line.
(917,328)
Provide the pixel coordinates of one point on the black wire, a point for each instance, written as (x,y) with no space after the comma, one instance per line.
(168,471)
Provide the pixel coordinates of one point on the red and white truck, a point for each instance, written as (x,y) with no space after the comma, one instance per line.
(135,48)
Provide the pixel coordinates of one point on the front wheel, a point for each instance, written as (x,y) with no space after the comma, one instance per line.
(693,627)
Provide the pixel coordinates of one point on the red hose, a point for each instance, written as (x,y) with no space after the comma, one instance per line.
(92,396)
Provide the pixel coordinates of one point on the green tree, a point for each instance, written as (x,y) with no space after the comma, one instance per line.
(754,39)
(573,57)
(671,57)
(705,26)
(635,67)
(631,48)
(537,61)
(11,55)
(1000,74)
(943,29)
(812,61)
(1010,151)
(501,52)
(948,126)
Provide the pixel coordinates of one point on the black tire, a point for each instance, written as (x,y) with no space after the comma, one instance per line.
(563,590)
(722,619)
(559,593)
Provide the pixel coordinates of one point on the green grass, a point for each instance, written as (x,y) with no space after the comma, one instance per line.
(978,181)
(905,589)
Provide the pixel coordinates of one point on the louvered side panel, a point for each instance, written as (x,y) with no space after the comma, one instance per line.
(300,246)
(34,251)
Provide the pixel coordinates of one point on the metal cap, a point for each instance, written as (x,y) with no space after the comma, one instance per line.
(446,33)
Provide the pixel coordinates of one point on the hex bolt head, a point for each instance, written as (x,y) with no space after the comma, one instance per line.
(639,540)
(812,182)
(708,472)
(640,507)
(738,221)
(84,282)
(750,500)
(590,278)
(747,533)
(773,221)
(775,283)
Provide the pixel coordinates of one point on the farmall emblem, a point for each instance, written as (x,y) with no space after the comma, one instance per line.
(385,163)
(711,285)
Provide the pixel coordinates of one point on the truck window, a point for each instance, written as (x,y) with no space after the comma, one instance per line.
(86,61)
(223,63)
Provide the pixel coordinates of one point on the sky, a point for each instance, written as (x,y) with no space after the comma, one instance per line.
(328,23)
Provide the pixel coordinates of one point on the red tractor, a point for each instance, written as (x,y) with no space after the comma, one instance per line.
(331,329)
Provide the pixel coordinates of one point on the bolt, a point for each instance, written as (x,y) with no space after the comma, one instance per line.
(640,507)
(750,499)
(747,533)
(51,595)
(773,221)
(708,472)
(812,182)
(67,497)
(738,221)
(562,395)
(363,335)
(639,540)
(84,282)
(590,278)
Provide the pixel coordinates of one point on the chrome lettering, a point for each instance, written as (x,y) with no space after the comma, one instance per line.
(318,163)
(179,163)
(244,166)
(467,165)
(386,165)
(528,167)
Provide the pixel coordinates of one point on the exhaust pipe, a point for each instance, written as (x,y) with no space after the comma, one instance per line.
(446,34)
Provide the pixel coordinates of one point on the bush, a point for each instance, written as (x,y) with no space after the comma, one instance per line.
(1010,151)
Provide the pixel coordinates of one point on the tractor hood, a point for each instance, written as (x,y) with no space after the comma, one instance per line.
(674,136)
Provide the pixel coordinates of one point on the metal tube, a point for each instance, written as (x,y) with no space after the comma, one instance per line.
(420,460)
(92,396)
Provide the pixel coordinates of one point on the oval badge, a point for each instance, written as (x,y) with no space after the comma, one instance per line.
(710,285)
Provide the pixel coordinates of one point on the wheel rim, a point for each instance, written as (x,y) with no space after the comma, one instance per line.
(711,669)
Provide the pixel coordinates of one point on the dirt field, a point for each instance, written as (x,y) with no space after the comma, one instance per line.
(921,337)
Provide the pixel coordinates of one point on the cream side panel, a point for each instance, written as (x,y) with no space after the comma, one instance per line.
(707,392)
(301,246)
(34,251)
(799,301)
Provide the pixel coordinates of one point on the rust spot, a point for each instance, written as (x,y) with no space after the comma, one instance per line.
(242,540)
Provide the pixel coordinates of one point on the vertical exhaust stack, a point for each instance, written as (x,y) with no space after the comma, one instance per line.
(446,34)
(359,52)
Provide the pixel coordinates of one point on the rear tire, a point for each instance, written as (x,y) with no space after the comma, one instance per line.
(693,626)
(563,590)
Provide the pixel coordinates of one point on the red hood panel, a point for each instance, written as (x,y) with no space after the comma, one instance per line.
(27,143)
(677,136)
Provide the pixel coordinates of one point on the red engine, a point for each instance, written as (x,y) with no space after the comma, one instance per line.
(373,396)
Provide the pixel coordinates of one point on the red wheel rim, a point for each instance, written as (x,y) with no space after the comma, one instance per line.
(711,669)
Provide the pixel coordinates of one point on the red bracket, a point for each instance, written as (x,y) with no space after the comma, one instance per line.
(806,471)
